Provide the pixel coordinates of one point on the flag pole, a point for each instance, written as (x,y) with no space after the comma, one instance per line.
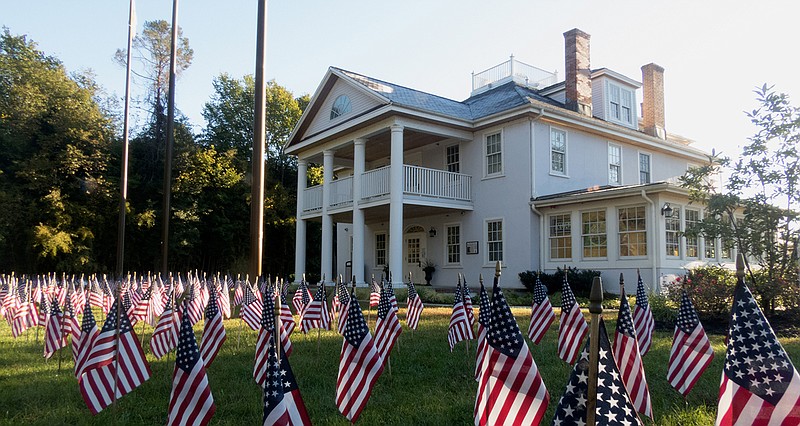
(116,346)
(596,310)
(123,185)
(259,147)
(170,142)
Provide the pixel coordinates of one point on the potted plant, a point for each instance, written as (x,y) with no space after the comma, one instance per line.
(428,267)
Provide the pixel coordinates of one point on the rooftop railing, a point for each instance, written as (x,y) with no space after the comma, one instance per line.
(520,72)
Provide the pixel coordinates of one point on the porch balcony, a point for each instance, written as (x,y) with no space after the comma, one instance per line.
(421,186)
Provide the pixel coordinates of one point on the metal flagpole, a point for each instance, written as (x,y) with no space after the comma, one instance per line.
(596,309)
(259,148)
(170,142)
(123,183)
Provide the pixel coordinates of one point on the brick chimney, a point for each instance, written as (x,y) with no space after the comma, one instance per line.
(578,74)
(653,100)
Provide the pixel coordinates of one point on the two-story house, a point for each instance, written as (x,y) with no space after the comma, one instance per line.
(528,170)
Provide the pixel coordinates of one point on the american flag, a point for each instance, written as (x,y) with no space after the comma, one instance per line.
(315,314)
(286,317)
(104,372)
(225,299)
(54,337)
(77,298)
(626,353)
(85,341)
(342,299)
(360,364)
(165,335)
(195,305)
(70,327)
(336,304)
(128,305)
(542,315)
(572,328)
(613,407)
(283,404)
(484,318)
(238,294)
(275,412)
(510,389)
(387,325)
(414,307)
(143,311)
(24,317)
(759,383)
(213,331)
(265,339)
(467,294)
(643,319)
(374,294)
(250,311)
(44,310)
(95,296)
(459,329)
(691,351)
(190,402)
(301,297)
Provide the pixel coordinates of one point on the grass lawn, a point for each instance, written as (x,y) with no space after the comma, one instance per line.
(427,384)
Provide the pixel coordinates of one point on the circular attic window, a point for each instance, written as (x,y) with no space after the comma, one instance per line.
(341,106)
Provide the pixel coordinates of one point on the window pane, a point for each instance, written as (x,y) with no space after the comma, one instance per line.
(593,234)
(558,151)
(692,217)
(644,168)
(632,231)
(494,238)
(560,236)
(452,159)
(494,156)
(453,244)
(673,236)
(614,164)
(380,249)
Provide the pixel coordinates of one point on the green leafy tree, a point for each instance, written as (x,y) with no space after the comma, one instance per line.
(759,209)
(54,152)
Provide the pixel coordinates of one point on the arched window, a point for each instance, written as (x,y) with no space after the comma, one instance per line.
(341,106)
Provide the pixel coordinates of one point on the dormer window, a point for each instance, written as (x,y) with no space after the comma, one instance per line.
(620,104)
(341,106)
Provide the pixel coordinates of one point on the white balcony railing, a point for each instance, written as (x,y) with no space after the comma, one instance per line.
(435,183)
(417,181)
(375,183)
(312,198)
(341,192)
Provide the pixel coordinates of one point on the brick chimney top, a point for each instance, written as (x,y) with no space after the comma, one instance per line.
(578,79)
(653,100)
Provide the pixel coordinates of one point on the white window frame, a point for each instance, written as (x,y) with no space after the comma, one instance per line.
(617,164)
(385,249)
(554,238)
(446,155)
(625,94)
(637,231)
(677,232)
(649,164)
(584,235)
(487,258)
(565,172)
(447,244)
(485,160)
(696,244)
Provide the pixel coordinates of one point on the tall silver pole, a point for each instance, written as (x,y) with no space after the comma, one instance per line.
(170,142)
(123,182)
(259,147)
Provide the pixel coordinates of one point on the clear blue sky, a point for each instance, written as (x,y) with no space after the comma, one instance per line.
(714,52)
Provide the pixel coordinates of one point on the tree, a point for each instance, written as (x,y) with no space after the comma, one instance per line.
(54,153)
(759,210)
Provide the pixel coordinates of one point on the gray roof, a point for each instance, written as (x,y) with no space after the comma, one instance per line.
(501,98)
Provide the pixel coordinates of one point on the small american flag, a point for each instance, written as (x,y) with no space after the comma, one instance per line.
(238,294)
(213,331)
(283,404)
(613,407)
(691,351)
(190,402)
(143,311)
(24,317)
(342,299)
(195,306)
(467,294)
(104,372)
(315,313)
(626,353)
(643,319)
(54,337)
(374,294)
(71,327)
(301,297)
(224,299)
(165,335)
(460,328)
(86,339)
(510,389)
(414,307)
(360,365)
(286,317)
(484,318)
(387,325)
(542,315)
(250,311)
(572,328)
(759,383)
(266,338)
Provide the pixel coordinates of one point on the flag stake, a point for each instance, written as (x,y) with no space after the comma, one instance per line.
(596,309)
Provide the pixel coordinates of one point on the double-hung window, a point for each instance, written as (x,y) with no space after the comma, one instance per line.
(494,154)
(632,231)
(673,238)
(560,236)
(453,233)
(494,240)
(692,219)
(620,105)
(614,164)
(452,159)
(380,249)
(593,233)
(644,168)
(558,151)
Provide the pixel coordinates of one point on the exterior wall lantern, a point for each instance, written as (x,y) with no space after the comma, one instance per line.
(432,232)
(666,210)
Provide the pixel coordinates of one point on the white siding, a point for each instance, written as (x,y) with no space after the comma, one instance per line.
(598,98)
(359,102)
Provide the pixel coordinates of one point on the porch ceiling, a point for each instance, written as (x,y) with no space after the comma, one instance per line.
(380,214)
(379,145)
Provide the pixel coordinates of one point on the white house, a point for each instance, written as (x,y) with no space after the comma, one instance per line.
(528,170)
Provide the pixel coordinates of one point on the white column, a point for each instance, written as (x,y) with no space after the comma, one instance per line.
(300,224)
(396,177)
(326,267)
(359,157)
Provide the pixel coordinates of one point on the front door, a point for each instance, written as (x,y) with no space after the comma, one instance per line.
(414,253)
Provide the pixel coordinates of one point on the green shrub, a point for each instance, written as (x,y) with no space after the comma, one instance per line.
(580,280)
(709,287)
